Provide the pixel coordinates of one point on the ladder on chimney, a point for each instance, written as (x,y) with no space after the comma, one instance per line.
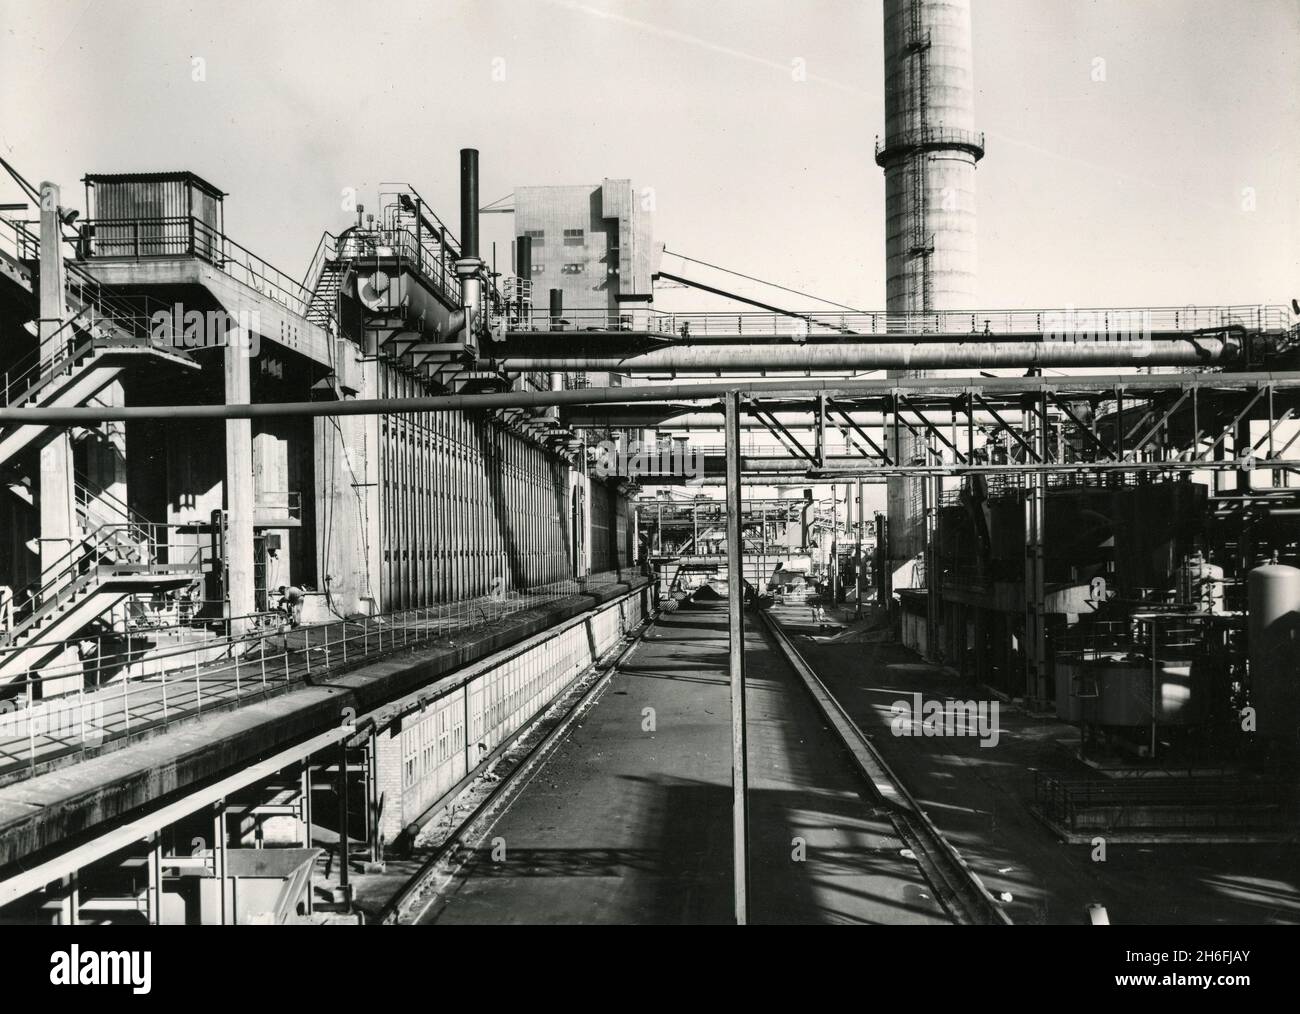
(922,240)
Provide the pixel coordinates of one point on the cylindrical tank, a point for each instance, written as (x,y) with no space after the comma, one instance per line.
(1273,599)
(1200,584)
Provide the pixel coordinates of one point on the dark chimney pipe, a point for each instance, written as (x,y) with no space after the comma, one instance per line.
(524,257)
(557,307)
(469,202)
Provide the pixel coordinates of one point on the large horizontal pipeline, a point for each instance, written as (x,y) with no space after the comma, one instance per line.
(796,471)
(838,387)
(709,422)
(701,359)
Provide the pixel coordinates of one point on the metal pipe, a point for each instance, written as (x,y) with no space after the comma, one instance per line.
(469,268)
(524,257)
(695,421)
(838,387)
(702,359)
(469,202)
(736,664)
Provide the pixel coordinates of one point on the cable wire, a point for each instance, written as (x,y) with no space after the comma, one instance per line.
(762,281)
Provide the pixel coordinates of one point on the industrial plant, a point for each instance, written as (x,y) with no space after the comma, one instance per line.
(502,563)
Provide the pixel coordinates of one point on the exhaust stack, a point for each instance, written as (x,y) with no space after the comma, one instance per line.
(469,266)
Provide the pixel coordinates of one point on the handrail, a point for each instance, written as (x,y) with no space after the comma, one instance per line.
(446,617)
(89,296)
(326,250)
(18,387)
(71,570)
(189,236)
(394,211)
(287,500)
(1063,324)
(439,271)
(222,671)
(86,500)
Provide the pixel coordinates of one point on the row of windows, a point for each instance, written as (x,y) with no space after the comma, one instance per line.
(572,237)
(569,269)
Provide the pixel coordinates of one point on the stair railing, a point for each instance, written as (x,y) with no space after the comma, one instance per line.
(82,564)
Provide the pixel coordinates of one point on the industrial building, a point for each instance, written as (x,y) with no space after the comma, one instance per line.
(305,578)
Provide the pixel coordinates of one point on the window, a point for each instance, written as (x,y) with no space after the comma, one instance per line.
(574,237)
(536,235)
(539,269)
(573,269)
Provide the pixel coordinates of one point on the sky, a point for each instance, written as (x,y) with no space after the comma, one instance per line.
(1164,175)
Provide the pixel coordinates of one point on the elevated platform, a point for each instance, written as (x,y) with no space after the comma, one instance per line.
(85,790)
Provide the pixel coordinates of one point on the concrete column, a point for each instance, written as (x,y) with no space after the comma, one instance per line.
(240,597)
(56,484)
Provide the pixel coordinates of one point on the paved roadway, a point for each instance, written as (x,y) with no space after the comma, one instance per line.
(980,797)
(627,825)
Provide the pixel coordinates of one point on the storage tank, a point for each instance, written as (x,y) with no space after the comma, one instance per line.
(1273,597)
(1200,584)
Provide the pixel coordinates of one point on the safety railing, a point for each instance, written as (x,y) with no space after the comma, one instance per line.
(181,616)
(1103,639)
(125,687)
(928,138)
(278,505)
(326,251)
(187,236)
(1066,324)
(28,375)
(97,508)
(436,267)
(125,548)
(1123,802)
(402,208)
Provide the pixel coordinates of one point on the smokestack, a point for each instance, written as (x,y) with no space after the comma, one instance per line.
(557,311)
(928,155)
(469,269)
(524,257)
(469,202)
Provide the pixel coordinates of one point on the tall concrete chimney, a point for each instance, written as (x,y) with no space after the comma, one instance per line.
(928,154)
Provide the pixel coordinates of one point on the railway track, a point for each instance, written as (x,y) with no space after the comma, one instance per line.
(957,886)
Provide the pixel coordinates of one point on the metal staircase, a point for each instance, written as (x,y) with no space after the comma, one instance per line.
(119,554)
(102,336)
(112,563)
(323,279)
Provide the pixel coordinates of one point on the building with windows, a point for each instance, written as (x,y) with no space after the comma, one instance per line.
(592,242)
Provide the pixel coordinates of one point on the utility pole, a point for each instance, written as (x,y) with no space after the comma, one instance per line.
(736,665)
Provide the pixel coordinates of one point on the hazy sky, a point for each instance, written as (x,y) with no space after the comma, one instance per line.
(1132,190)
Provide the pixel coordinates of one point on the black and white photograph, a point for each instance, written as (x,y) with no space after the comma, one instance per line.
(482,463)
